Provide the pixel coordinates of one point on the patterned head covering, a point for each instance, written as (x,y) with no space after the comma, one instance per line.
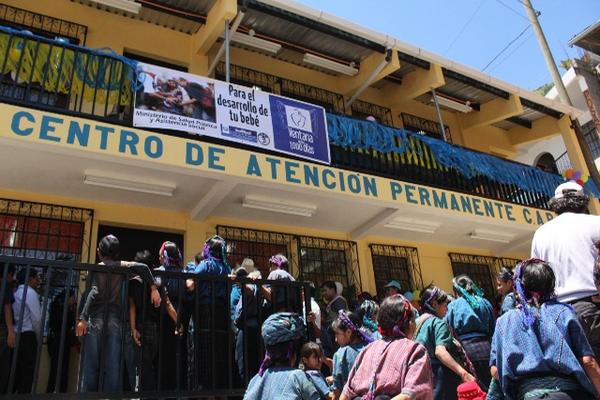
(279,328)
(473,296)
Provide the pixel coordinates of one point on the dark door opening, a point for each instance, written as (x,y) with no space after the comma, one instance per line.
(133,240)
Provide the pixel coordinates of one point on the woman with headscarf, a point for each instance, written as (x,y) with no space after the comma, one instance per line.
(471,317)
(278,378)
(396,366)
(449,365)
(539,350)
(213,315)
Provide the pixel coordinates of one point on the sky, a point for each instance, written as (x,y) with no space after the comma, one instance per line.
(473,32)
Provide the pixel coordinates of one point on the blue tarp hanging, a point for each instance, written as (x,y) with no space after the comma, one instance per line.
(358,134)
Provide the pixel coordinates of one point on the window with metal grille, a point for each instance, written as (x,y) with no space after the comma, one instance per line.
(479,268)
(44,231)
(324,260)
(396,263)
(42,25)
(362,109)
(257,245)
(592,138)
(331,102)
(247,77)
(424,126)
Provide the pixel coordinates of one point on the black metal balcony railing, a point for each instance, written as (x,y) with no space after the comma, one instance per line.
(211,355)
(56,76)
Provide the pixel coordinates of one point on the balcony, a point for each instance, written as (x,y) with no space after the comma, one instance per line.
(60,77)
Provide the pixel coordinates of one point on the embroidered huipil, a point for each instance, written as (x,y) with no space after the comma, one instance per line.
(552,346)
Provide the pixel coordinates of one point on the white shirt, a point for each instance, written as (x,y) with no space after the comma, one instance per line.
(567,243)
(314,307)
(32,315)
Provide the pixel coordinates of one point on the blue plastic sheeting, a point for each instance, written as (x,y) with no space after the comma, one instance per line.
(358,134)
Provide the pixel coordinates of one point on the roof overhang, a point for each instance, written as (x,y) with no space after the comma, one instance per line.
(588,39)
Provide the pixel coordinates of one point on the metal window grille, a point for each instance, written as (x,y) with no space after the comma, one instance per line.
(259,246)
(362,109)
(478,268)
(248,77)
(42,24)
(332,102)
(45,231)
(425,126)
(592,138)
(396,262)
(324,259)
(509,263)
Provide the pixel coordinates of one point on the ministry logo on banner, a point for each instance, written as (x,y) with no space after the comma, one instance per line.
(184,102)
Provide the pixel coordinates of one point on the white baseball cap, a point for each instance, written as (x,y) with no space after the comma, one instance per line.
(568,187)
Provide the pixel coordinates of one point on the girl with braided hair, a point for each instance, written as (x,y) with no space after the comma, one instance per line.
(351,339)
(367,311)
(539,350)
(449,365)
(395,367)
(506,287)
(471,317)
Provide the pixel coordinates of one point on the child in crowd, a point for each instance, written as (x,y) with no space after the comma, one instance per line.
(351,340)
(278,379)
(448,363)
(505,285)
(367,311)
(471,316)
(539,350)
(396,366)
(311,356)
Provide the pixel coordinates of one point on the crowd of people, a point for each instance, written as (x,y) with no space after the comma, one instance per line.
(172,327)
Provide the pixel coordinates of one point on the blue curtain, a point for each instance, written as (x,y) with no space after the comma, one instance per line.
(358,134)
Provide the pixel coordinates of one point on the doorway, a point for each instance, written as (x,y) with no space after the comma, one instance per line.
(133,240)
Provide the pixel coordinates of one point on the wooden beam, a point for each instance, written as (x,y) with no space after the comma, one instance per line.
(207,35)
(491,112)
(414,85)
(349,85)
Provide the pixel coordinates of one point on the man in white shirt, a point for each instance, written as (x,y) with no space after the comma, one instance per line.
(28,327)
(568,244)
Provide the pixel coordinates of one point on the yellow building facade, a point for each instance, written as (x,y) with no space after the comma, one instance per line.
(355,221)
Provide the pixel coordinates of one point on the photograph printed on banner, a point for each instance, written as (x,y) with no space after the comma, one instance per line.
(168,93)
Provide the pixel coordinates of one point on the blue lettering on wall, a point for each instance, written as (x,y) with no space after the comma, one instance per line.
(311,175)
(466,204)
(540,220)
(16,123)
(439,199)
(253,167)
(499,208)
(153,147)
(290,171)
(410,192)
(354,183)
(454,202)
(326,182)
(396,189)
(214,158)
(527,216)
(274,163)
(104,131)
(424,196)
(549,216)
(79,132)
(47,127)
(489,208)
(342,181)
(477,207)
(509,210)
(128,139)
(370,186)
(194,155)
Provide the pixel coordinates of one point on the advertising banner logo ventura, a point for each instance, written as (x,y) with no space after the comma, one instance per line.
(180,101)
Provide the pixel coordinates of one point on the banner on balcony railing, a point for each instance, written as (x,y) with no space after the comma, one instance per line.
(176,100)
